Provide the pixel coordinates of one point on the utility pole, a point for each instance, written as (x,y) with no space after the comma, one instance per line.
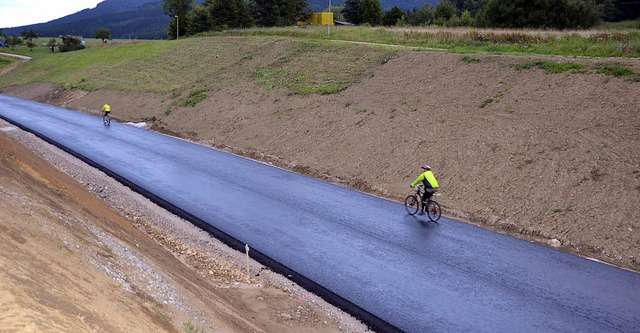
(178,26)
(329,21)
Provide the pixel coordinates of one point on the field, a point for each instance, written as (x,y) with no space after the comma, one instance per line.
(589,43)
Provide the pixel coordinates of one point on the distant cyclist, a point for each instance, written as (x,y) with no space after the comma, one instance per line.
(106,109)
(429,181)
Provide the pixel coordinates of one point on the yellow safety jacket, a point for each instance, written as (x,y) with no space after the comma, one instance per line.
(428,178)
(106,108)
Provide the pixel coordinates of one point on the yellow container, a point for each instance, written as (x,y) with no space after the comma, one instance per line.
(324,18)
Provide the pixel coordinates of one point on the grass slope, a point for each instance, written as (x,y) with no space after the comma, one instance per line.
(166,66)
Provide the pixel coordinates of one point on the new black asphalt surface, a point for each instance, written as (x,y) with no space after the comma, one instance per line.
(358,251)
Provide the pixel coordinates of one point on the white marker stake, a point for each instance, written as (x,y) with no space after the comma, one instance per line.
(246,247)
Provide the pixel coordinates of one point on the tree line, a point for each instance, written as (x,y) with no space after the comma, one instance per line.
(68,42)
(538,14)
(216,15)
(189,18)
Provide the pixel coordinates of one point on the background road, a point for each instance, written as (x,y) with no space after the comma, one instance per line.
(358,251)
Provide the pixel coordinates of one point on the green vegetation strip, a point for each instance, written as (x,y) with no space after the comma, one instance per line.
(195,97)
(6,61)
(554,67)
(551,67)
(614,70)
(593,43)
(319,68)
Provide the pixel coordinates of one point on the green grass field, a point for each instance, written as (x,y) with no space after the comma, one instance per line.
(6,61)
(589,43)
(169,66)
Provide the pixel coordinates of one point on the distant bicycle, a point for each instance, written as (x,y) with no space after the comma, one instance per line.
(106,119)
(413,203)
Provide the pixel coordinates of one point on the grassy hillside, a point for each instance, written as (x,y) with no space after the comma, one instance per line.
(166,66)
(314,64)
(6,61)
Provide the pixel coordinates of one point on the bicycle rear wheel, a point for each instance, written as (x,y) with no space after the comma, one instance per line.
(107,120)
(433,211)
(411,204)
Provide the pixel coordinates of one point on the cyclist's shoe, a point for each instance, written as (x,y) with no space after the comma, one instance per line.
(421,212)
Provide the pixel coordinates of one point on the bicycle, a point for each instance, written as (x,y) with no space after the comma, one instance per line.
(106,119)
(414,202)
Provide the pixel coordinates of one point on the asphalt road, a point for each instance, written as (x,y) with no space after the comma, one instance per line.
(358,251)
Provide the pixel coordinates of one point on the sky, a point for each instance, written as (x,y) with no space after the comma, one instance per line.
(15,13)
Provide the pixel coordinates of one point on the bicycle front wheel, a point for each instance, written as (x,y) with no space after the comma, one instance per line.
(433,211)
(411,204)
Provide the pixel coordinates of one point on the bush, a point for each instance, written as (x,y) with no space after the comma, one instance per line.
(551,67)
(70,43)
(614,70)
(195,97)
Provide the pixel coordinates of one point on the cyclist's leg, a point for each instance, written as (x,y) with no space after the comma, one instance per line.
(425,197)
(428,193)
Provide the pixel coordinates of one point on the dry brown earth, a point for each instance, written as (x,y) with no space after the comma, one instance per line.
(554,158)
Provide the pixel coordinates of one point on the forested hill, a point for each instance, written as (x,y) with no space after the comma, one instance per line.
(144,19)
(123,18)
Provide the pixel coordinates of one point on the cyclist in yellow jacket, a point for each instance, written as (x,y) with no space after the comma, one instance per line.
(430,183)
(106,109)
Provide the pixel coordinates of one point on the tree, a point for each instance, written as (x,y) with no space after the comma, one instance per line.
(608,9)
(270,13)
(200,20)
(30,44)
(626,10)
(472,6)
(29,35)
(393,16)
(350,11)
(52,43)
(370,12)
(229,14)
(337,13)
(104,34)
(69,43)
(445,10)
(179,11)
(466,20)
(554,14)
(422,16)
(14,40)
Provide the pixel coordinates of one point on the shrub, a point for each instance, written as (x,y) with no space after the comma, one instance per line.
(195,97)
(552,67)
(614,70)
(69,43)
(470,59)
(486,102)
